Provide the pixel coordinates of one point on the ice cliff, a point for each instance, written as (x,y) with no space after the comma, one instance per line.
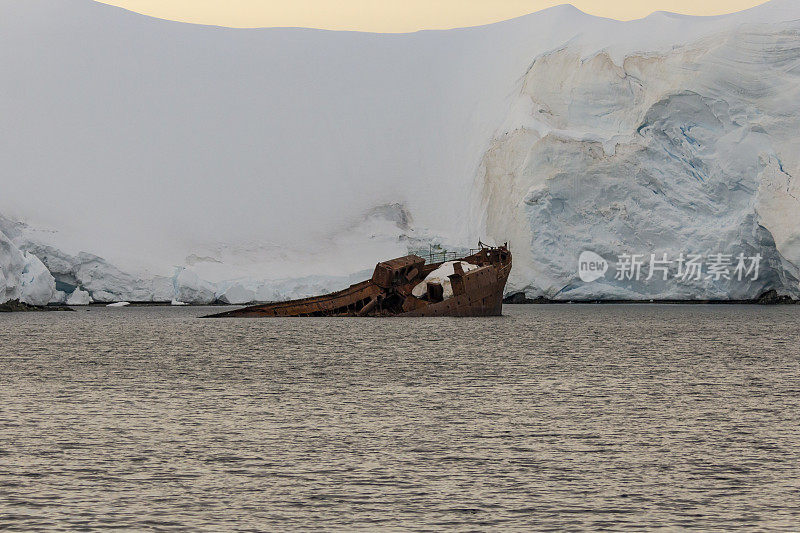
(693,150)
(155,160)
(23,277)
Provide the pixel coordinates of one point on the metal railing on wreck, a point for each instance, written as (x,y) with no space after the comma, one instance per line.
(442,256)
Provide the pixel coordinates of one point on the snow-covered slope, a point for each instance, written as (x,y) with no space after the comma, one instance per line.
(158,160)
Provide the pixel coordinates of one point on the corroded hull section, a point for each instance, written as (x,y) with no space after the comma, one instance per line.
(477,291)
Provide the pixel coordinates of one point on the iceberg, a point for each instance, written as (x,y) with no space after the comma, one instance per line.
(79,297)
(23,276)
(37,285)
(189,287)
(59,297)
(103,280)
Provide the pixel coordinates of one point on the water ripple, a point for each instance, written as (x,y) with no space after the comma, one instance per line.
(550,418)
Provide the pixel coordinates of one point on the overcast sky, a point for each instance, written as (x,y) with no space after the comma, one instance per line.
(402,15)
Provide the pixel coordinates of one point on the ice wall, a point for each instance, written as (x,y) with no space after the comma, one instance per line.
(23,277)
(689,151)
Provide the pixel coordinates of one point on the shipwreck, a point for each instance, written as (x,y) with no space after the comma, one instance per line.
(409,286)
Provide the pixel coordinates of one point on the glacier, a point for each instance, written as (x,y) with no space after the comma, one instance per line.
(692,150)
(150,160)
(23,276)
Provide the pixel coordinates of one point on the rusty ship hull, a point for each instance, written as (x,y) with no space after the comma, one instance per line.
(477,290)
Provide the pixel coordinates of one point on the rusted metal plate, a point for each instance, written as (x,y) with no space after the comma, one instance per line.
(397,271)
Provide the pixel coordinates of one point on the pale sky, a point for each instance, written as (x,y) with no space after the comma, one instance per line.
(402,15)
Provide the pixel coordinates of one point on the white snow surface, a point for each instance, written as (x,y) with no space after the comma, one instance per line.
(441,276)
(79,297)
(59,297)
(249,165)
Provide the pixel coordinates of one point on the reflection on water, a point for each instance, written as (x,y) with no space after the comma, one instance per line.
(551,417)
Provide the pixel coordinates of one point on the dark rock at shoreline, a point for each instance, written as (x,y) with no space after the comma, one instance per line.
(15,306)
(520,298)
(772,297)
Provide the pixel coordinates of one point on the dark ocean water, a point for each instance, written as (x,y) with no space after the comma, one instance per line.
(549,418)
